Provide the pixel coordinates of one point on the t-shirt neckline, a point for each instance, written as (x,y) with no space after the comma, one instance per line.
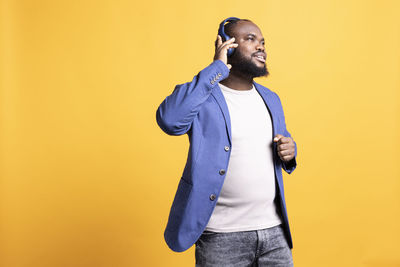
(237,92)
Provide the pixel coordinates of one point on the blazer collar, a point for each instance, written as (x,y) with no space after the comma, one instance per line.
(268,98)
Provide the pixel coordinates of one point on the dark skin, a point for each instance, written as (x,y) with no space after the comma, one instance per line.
(248,39)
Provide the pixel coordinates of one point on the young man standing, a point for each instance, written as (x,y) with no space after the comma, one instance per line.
(230,200)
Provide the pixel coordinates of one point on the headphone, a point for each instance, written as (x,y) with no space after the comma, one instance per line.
(224,36)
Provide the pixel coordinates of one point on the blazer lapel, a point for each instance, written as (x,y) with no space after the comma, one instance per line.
(216,92)
(268,99)
(265,94)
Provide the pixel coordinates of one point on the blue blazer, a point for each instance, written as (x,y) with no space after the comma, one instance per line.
(198,109)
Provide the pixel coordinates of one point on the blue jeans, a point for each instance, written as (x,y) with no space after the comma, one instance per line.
(266,247)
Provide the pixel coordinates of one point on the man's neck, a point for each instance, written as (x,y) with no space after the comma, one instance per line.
(238,82)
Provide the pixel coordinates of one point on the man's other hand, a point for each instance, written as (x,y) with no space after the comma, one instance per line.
(285,147)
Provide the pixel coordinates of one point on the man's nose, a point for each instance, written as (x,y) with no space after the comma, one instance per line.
(260,47)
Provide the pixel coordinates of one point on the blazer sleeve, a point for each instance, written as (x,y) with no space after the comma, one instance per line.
(290,166)
(176,113)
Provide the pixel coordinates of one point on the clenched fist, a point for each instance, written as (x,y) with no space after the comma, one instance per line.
(285,147)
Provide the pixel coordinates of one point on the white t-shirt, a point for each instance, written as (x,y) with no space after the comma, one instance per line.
(246,201)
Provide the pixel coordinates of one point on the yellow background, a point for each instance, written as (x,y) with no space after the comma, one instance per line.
(87,177)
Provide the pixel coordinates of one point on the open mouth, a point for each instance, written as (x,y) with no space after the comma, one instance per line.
(260,58)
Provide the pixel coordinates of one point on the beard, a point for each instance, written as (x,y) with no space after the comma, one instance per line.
(246,67)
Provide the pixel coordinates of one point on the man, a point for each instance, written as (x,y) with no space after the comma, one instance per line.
(230,200)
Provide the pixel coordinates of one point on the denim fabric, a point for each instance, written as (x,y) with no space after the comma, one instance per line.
(266,247)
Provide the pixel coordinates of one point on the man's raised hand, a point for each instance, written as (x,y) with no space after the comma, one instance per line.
(221,49)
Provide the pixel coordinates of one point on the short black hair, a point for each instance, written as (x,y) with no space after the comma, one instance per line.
(231,24)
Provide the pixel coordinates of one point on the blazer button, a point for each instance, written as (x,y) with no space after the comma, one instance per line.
(213,197)
(222,171)
(226,148)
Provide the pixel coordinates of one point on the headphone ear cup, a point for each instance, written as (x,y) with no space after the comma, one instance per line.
(221,32)
(230,51)
(224,36)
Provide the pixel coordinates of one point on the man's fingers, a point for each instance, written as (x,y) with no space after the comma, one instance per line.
(278,137)
(285,147)
(285,140)
(282,139)
(230,40)
(282,147)
(221,49)
(223,44)
(283,153)
(227,46)
(287,158)
(219,40)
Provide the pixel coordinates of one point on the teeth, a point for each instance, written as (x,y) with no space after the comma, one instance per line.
(261,58)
